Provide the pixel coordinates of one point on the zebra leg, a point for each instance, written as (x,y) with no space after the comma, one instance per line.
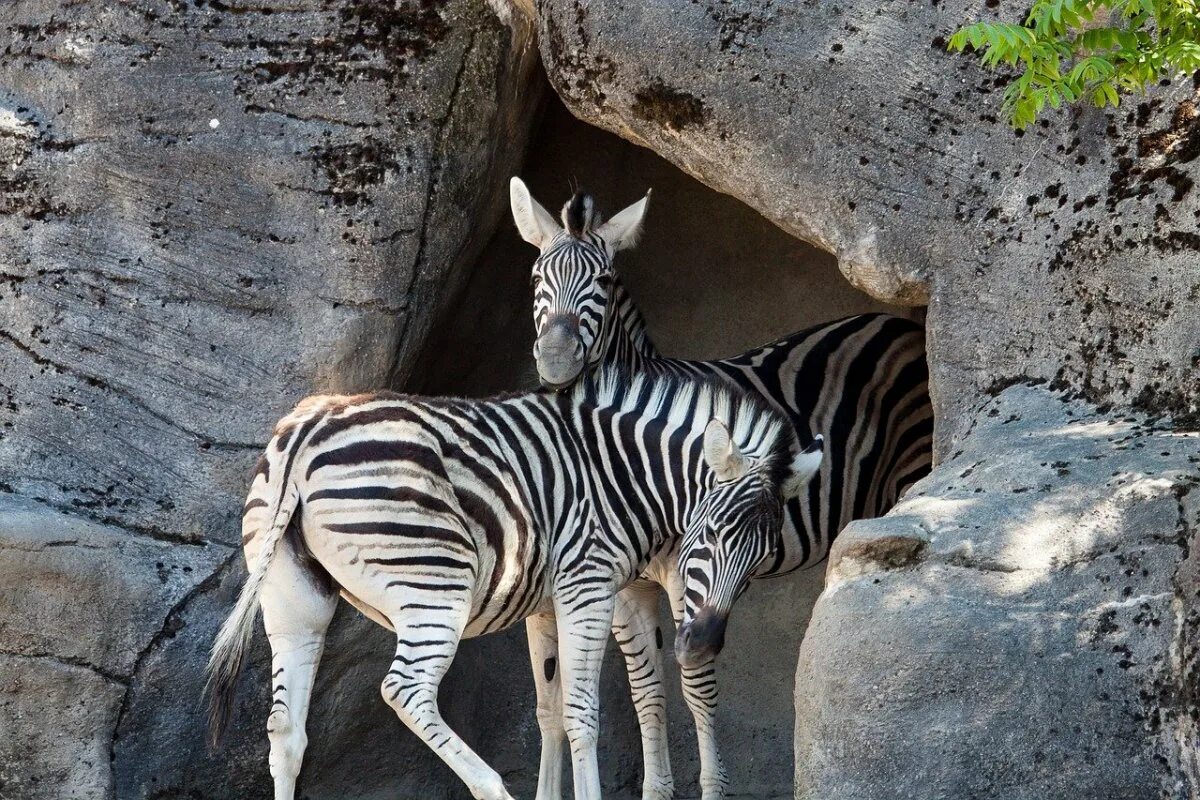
(635,625)
(700,693)
(543,654)
(426,641)
(582,635)
(297,607)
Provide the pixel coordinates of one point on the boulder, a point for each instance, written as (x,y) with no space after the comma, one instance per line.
(209,210)
(212,209)
(1022,625)
(1063,254)
(64,715)
(1011,630)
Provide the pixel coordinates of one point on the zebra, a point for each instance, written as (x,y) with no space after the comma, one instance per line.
(863,380)
(447,518)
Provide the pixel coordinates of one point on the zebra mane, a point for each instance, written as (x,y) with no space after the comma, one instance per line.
(579,215)
(761,432)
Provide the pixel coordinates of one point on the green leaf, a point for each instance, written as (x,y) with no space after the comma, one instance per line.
(1059,56)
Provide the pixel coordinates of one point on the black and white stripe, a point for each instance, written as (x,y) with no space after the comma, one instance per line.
(447,518)
(862,382)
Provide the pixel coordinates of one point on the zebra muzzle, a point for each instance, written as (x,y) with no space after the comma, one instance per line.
(699,641)
(559,353)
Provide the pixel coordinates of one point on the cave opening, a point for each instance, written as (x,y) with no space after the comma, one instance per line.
(713,278)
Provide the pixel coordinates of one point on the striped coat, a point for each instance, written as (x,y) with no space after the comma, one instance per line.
(444,519)
(862,382)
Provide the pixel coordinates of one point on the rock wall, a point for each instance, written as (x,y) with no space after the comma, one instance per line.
(1028,615)
(1066,254)
(204,277)
(1063,258)
(207,211)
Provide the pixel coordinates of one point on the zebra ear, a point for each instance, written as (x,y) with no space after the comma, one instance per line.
(721,453)
(533,221)
(803,467)
(622,231)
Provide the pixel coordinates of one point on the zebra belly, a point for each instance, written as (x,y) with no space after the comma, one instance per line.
(385,577)
(513,584)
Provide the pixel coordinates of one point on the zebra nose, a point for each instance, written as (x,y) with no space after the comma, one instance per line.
(702,639)
(559,352)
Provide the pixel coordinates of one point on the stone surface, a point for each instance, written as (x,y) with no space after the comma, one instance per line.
(157,622)
(207,211)
(189,256)
(62,716)
(1022,625)
(82,605)
(1067,254)
(90,594)
(150,717)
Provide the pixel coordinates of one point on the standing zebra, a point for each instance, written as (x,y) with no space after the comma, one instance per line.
(443,519)
(860,380)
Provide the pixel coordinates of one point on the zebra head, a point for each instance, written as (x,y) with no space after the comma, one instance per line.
(572,279)
(737,527)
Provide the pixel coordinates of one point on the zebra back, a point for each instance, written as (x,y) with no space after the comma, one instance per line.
(862,382)
(507,491)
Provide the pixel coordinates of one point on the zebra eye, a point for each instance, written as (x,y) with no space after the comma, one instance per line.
(535,281)
(604,280)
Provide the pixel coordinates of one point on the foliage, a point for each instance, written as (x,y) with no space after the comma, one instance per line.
(1073,50)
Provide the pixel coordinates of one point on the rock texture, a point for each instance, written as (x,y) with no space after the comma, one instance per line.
(958,654)
(207,211)
(1067,254)
(1029,614)
(96,609)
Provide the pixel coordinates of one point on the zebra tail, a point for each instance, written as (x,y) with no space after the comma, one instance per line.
(229,650)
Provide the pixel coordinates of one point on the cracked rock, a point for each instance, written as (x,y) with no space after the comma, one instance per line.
(87,593)
(57,718)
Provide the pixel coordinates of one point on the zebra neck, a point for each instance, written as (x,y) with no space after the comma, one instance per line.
(629,345)
(646,478)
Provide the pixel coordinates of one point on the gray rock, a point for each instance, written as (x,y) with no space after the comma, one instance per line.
(951,657)
(355,741)
(208,211)
(81,606)
(190,256)
(58,718)
(1022,625)
(1066,254)
(173,285)
(89,594)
